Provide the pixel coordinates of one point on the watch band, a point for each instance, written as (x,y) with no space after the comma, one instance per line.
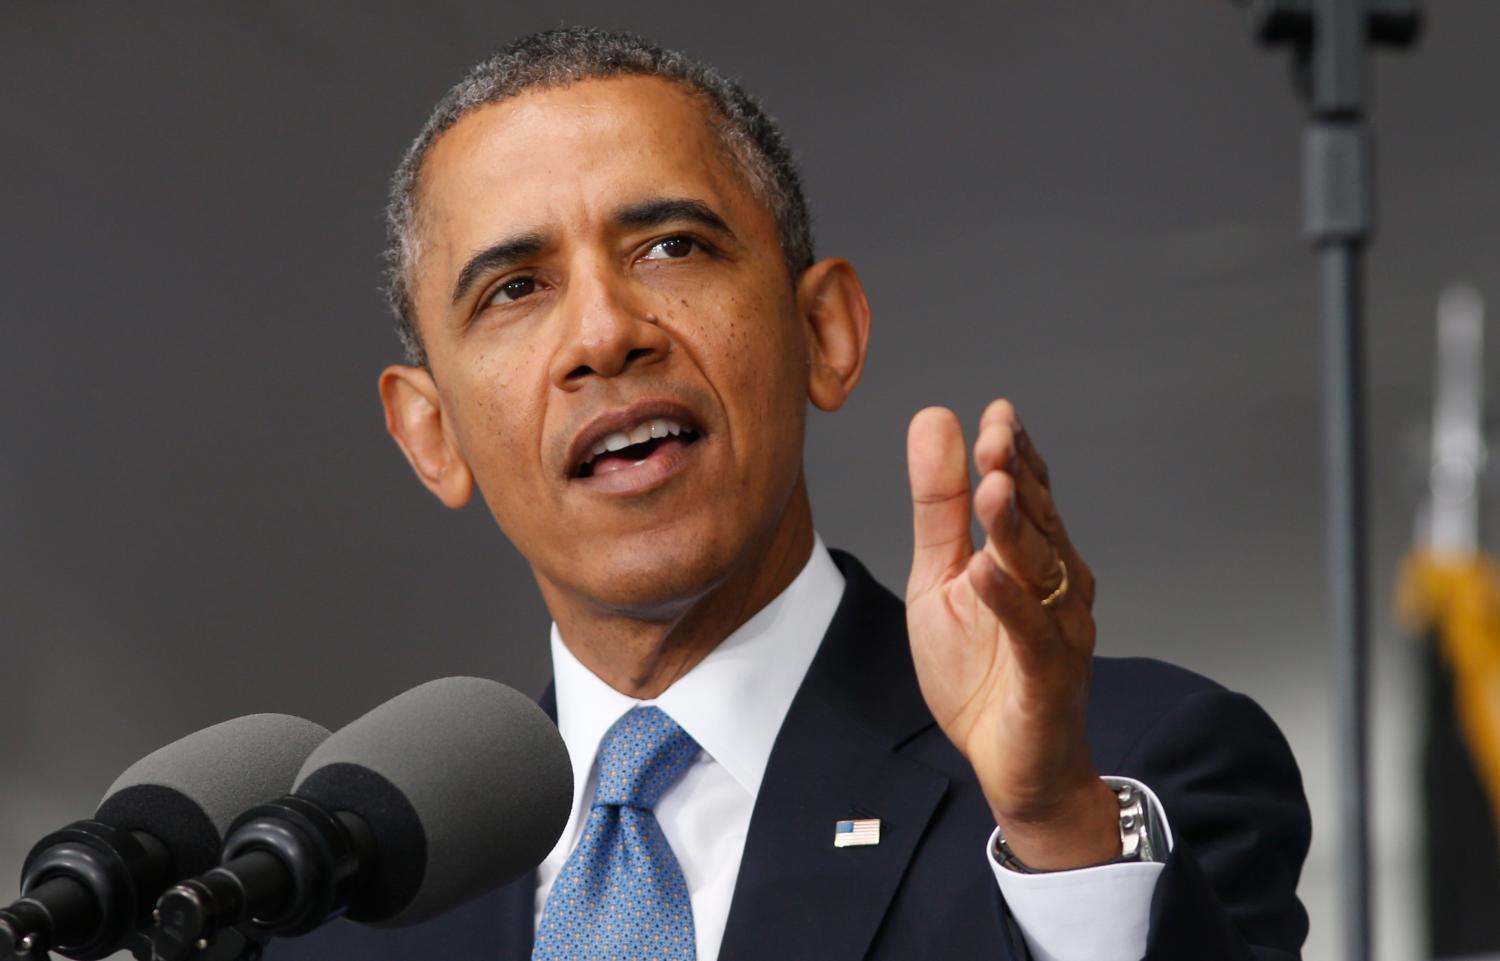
(1137,834)
(1135,825)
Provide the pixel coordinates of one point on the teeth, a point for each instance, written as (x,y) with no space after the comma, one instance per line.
(648,430)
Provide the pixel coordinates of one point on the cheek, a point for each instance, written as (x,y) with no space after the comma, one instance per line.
(500,420)
(757,360)
(770,356)
(749,329)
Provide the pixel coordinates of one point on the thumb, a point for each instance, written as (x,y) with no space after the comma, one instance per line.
(939,471)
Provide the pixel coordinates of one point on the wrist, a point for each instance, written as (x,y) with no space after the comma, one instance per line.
(1081,831)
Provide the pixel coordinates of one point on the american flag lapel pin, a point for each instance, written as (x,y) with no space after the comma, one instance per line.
(857,833)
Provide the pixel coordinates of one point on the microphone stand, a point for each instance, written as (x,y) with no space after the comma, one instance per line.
(1329,40)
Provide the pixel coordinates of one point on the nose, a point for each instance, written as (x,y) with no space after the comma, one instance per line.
(609,334)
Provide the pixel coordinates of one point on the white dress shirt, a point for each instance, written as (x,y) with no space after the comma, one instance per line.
(732,703)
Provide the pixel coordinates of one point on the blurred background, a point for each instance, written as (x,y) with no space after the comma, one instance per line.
(1090,208)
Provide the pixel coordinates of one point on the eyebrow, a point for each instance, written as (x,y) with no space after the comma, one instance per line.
(497,256)
(663,210)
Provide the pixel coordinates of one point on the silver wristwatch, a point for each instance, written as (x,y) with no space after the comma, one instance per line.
(1137,833)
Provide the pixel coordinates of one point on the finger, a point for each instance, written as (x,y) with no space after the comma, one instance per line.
(1013,540)
(995,447)
(1032,636)
(1003,413)
(997,450)
(1004,444)
(996,424)
(939,472)
(1031,457)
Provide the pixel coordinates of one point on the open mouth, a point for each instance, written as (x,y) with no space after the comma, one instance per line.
(621,450)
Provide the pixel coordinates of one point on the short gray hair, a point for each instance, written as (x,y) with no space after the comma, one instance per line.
(557,58)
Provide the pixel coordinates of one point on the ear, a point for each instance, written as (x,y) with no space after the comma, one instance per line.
(832,303)
(414,418)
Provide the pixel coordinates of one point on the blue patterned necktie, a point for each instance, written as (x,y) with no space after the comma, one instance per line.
(621,894)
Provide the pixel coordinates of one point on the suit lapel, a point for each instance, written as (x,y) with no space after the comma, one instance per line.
(835,758)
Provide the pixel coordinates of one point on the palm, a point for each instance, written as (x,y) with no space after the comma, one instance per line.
(961,654)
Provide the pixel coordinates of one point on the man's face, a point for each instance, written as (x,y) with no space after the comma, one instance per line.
(593,271)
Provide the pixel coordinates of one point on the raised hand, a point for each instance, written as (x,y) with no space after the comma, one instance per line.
(1003,637)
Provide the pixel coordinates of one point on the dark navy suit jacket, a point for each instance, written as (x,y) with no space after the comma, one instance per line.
(859,738)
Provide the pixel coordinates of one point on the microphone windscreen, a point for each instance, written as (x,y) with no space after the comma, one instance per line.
(465,784)
(187,794)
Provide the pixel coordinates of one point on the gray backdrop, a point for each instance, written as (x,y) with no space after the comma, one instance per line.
(1088,207)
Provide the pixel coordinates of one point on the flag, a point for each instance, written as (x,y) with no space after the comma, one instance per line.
(1454,600)
(849,834)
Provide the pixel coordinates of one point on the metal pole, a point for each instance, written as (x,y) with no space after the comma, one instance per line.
(1339,214)
(1343,401)
(1329,40)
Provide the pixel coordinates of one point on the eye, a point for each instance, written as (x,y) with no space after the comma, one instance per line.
(513,290)
(673,247)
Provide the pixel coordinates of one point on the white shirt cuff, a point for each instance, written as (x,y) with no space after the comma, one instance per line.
(1091,914)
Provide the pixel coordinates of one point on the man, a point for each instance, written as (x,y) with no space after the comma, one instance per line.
(614,320)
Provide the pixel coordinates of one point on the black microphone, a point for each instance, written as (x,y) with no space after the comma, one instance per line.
(433,798)
(87,887)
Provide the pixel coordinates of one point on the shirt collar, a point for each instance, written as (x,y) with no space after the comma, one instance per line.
(734,700)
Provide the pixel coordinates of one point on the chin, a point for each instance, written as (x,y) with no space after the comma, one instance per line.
(657,576)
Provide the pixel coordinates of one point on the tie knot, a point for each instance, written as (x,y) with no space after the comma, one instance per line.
(641,756)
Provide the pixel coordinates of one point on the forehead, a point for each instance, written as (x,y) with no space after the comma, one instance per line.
(631,113)
(558,157)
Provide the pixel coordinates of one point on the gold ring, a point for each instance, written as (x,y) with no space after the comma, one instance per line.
(1061,589)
